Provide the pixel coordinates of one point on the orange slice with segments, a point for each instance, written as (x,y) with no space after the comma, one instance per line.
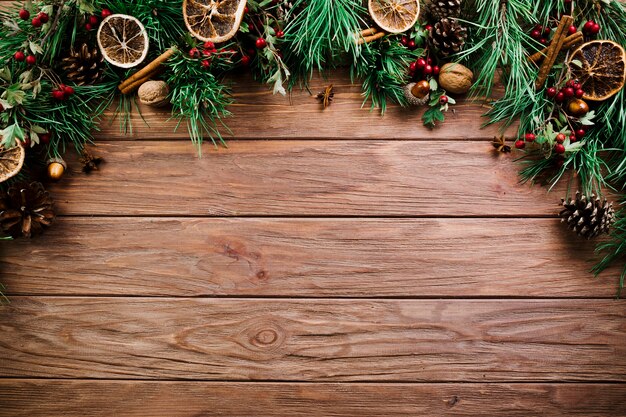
(11,161)
(394,16)
(600,67)
(123,40)
(213,20)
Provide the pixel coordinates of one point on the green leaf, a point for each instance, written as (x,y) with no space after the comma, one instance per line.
(5,74)
(432,116)
(14,95)
(587,119)
(10,134)
(35,48)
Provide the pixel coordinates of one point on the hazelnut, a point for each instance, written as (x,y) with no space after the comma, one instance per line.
(154,93)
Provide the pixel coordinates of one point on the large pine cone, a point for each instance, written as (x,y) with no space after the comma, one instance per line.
(588,217)
(83,66)
(447,37)
(440,9)
(26,209)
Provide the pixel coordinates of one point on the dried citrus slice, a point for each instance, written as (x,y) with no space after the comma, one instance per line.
(213,20)
(123,40)
(600,67)
(11,161)
(394,16)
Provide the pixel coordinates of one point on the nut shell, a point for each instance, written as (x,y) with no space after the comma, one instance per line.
(154,93)
(456,78)
(577,108)
(56,168)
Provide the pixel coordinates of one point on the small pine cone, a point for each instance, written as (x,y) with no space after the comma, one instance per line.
(26,209)
(440,9)
(83,66)
(447,37)
(589,218)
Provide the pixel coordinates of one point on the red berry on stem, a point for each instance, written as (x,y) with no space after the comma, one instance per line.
(209,45)
(569,92)
(551,92)
(411,45)
(580,133)
(43,17)
(429,60)
(579,93)
(530,137)
(436,70)
(93,20)
(36,22)
(559,148)
(572,29)
(535,34)
(194,53)
(45,138)
(58,95)
(443,100)
(19,56)
(428,69)
(413,67)
(544,41)
(573,138)
(206,64)
(560,138)
(105,13)
(588,26)
(31,60)
(88,27)
(428,27)
(245,60)
(560,97)
(261,43)
(404,41)
(595,29)
(206,52)
(520,144)
(421,63)
(26,142)
(69,91)
(280,34)
(24,14)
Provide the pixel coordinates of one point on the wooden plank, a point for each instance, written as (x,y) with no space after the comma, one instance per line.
(303,178)
(36,398)
(304,258)
(314,340)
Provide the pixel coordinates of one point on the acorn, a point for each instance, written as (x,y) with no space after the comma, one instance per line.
(421,89)
(577,107)
(56,168)
(417,94)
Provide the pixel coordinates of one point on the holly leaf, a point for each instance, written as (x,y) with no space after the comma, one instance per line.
(10,135)
(432,116)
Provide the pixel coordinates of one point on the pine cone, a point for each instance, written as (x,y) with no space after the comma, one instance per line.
(283,9)
(83,66)
(447,37)
(440,9)
(26,209)
(588,217)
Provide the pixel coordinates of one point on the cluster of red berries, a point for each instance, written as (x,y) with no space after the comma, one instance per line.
(39,20)
(207,51)
(423,67)
(93,20)
(541,34)
(559,147)
(591,28)
(20,56)
(409,43)
(571,89)
(63,92)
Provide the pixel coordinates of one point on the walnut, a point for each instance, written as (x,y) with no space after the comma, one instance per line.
(154,93)
(455,78)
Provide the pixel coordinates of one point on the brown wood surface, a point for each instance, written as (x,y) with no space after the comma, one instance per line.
(314,340)
(304,258)
(304,178)
(36,398)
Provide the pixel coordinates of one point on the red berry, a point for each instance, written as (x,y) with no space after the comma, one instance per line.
(538,27)
(45,138)
(260,43)
(404,41)
(436,70)
(280,34)
(530,137)
(19,56)
(547,31)
(595,29)
(535,34)
(24,14)
(58,95)
(69,91)
(36,22)
(421,63)
(559,148)
(560,97)
(570,83)
(428,27)
(209,45)
(413,67)
(544,41)
(206,64)
(572,29)
(551,92)
(576,85)
(246,9)
(93,20)
(429,61)
(105,13)
(573,138)
(560,138)
(589,26)
(88,27)
(31,60)
(206,53)
(194,53)
(443,100)
(579,93)
(26,142)
(1,108)
(520,144)
(43,17)
(245,60)
(428,69)
(411,45)
(569,92)
(580,133)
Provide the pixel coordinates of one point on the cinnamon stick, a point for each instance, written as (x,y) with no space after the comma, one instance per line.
(137,83)
(148,69)
(570,41)
(553,50)
(368,32)
(372,38)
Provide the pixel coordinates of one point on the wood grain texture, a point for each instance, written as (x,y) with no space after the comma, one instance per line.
(304,178)
(314,340)
(36,398)
(304,258)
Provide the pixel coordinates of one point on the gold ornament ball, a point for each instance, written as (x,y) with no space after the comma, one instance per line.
(456,78)
(56,169)
(577,108)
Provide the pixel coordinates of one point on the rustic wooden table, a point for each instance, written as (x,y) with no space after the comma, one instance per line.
(326,263)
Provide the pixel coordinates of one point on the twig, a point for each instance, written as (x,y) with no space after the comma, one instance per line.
(54,24)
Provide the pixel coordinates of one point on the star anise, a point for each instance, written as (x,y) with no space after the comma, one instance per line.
(326,96)
(500,144)
(90,162)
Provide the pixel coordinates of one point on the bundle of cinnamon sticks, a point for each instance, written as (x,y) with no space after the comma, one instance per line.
(369,35)
(552,52)
(134,82)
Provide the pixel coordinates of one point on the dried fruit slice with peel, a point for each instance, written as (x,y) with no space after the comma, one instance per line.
(394,16)
(213,20)
(600,67)
(11,161)
(123,40)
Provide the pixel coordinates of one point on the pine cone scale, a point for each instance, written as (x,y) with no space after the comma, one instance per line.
(447,37)
(589,218)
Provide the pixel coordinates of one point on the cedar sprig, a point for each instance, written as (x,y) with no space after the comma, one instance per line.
(613,251)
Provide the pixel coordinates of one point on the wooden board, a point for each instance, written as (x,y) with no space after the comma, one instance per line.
(315,340)
(37,398)
(304,178)
(304,258)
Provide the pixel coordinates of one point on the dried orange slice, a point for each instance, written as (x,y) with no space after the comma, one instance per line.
(213,20)
(600,67)
(394,16)
(11,161)
(123,40)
